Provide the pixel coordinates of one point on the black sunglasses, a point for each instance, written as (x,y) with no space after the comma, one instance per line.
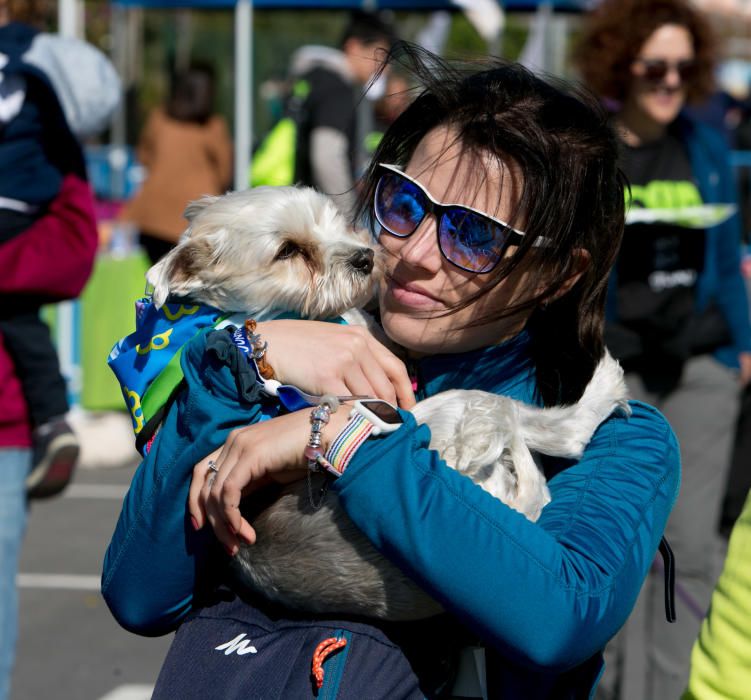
(655,70)
(467,238)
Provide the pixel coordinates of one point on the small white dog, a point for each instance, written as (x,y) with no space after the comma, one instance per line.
(268,250)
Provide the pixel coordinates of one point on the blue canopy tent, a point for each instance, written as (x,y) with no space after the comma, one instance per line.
(244,41)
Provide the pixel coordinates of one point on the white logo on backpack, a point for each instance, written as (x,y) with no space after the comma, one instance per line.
(239,644)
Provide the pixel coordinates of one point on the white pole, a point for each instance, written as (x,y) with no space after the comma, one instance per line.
(120,50)
(67,18)
(243,91)
(68,313)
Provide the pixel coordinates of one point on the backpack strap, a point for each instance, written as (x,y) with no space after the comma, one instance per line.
(668,561)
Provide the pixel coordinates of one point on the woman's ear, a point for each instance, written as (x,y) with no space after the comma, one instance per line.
(580,259)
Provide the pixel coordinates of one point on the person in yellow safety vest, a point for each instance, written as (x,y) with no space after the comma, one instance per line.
(274,160)
(721,657)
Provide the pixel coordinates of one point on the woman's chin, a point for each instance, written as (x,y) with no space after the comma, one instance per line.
(413,334)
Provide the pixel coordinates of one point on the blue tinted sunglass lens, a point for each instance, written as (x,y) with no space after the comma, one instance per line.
(470,240)
(399,204)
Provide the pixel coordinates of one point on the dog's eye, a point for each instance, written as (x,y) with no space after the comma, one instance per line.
(288,250)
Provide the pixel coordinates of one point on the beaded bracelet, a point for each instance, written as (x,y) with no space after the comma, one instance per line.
(319,417)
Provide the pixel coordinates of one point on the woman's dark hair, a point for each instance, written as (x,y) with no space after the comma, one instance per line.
(615,32)
(558,140)
(192,95)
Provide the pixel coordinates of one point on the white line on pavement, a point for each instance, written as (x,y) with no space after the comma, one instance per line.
(115,492)
(71,582)
(129,692)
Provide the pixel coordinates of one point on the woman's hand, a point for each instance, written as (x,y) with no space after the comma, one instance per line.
(251,457)
(328,358)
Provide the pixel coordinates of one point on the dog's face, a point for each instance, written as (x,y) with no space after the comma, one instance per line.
(269,249)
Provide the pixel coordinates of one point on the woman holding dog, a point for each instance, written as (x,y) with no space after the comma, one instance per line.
(496,269)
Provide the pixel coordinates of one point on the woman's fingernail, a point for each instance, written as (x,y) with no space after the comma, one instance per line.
(193,520)
(229,550)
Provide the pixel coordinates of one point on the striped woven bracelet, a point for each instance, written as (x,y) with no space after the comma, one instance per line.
(346,444)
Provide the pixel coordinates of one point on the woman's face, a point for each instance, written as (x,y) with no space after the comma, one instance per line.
(420,284)
(660,71)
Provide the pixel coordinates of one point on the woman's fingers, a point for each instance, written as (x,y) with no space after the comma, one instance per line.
(251,457)
(332,355)
(358,383)
(385,374)
(222,498)
(200,478)
(396,376)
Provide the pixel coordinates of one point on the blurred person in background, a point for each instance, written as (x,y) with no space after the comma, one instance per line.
(44,111)
(187,152)
(334,120)
(678,316)
(48,240)
(396,98)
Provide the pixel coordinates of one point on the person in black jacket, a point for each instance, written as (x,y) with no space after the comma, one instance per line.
(333,119)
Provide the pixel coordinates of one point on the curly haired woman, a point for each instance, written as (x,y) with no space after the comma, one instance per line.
(678,311)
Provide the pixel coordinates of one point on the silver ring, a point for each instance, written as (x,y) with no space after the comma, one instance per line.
(213,467)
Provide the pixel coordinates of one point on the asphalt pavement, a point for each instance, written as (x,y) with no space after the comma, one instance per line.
(69,646)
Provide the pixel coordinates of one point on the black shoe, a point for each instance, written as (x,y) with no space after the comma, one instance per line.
(55,455)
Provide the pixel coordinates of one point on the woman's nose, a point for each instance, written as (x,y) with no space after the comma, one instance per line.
(421,248)
(673,77)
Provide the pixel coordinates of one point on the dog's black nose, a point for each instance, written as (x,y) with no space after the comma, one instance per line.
(362,261)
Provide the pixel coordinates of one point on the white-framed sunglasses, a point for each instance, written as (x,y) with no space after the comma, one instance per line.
(468,238)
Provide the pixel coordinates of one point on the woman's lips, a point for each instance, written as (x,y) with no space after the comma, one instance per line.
(412,295)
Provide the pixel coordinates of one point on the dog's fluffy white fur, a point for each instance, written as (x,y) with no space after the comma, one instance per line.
(267,250)
(317,560)
(288,249)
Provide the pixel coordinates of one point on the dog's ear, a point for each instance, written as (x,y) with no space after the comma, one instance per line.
(156,284)
(178,272)
(198,205)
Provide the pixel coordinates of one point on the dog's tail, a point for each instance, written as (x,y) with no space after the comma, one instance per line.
(564,431)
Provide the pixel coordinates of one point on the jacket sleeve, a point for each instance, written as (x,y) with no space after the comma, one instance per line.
(548,594)
(731,294)
(155,562)
(54,257)
(721,658)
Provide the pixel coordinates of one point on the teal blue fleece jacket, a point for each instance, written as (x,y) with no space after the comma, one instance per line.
(546,595)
